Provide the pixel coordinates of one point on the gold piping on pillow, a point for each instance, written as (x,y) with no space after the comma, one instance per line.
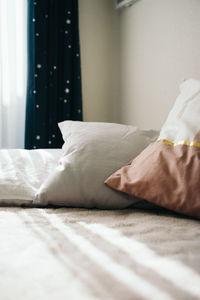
(187,143)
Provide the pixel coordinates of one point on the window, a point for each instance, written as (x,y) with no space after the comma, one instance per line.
(13,72)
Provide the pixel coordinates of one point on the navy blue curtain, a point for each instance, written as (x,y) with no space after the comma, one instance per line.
(54,77)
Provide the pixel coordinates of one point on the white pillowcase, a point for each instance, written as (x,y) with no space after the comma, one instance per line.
(92,152)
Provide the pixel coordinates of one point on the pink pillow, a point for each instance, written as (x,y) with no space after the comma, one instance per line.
(167,172)
(165,175)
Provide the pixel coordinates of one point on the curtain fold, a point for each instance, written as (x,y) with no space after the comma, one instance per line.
(54,76)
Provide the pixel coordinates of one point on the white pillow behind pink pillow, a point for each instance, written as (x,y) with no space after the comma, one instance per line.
(91,152)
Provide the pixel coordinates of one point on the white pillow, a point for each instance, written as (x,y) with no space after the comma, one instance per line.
(22,171)
(92,151)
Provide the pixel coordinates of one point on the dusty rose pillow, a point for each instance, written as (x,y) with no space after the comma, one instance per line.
(167,172)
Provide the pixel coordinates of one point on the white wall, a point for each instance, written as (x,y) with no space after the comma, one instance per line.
(98,23)
(160,46)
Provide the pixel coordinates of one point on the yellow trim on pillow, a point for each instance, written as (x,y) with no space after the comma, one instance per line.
(187,143)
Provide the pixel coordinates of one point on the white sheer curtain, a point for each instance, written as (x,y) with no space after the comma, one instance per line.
(13,72)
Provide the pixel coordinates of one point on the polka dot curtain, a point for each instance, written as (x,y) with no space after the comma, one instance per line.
(54,77)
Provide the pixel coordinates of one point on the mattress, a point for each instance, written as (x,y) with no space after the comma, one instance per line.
(76,254)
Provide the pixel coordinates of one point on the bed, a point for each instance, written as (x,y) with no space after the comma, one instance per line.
(71,253)
(66,253)
(49,250)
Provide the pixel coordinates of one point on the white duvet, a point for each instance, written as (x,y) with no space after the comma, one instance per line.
(23,171)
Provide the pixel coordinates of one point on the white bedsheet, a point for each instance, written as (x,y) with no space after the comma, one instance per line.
(23,171)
